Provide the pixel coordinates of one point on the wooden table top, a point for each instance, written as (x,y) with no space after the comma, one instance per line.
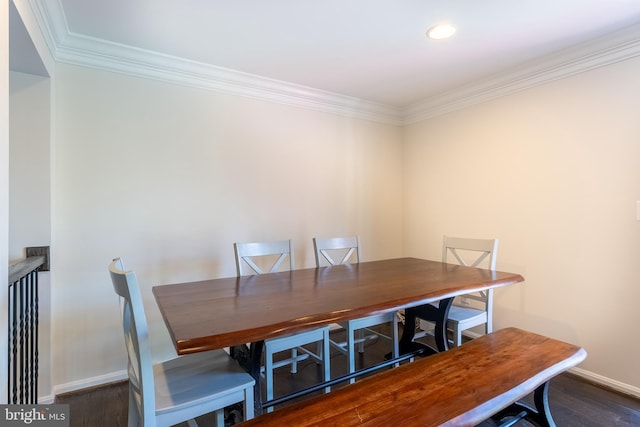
(218,313)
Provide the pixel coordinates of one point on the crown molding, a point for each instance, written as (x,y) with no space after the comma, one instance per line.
(51,21)
(100,54)
(30,14)
(77,49)
(614,47)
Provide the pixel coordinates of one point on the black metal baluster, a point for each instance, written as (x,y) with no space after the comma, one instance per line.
(13,352)
(27,336)
(36,307)
(23,327)
(28,372)
(21,333)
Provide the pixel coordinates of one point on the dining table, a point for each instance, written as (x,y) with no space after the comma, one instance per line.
(231,312)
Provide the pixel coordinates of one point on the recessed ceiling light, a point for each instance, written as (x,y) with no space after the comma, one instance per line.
(441,31)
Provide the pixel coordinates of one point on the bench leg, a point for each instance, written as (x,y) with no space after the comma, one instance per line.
(540,416)
(541,400)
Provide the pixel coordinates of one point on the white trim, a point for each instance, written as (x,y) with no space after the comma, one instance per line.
(591,377)
(40,16)
(614,47)
(89,382)
(607,382)
(100,54)
(122,375)
(46,400)
(78,49)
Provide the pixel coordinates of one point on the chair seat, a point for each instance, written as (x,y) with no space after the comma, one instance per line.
(345,250)
(267,257)
(460,319)
(365,322)
(467,316)
(289,341)
(295,342)
(187,383)
(469,253)
(348,347)
(180,389)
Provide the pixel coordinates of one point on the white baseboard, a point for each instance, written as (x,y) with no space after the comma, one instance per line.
(594,378)
(122,375)
(46,400)
(89,382)
(607,382)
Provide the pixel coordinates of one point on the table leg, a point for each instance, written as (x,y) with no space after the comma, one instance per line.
(438,315)
(249,359)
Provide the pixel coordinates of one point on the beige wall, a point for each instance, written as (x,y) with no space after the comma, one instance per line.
(554,173)
(30,134)
(168,177)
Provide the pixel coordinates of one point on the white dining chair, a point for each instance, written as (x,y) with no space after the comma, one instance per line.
(346,250)
(268,257)
(474,309)
(180,389)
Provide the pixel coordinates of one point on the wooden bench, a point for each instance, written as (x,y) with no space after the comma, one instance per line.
(484,378)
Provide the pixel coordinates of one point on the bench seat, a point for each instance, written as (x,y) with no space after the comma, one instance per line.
(460,387)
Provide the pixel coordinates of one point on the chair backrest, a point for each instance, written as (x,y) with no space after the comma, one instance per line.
(336,250)
(263,257)
(472,253)
(136,337)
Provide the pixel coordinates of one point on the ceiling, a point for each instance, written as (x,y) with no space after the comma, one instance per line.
(373,50)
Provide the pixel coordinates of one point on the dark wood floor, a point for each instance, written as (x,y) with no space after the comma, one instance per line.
(574,402)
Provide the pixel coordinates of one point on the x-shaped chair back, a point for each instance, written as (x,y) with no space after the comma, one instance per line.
(472,253)
(263,257)
(336,250)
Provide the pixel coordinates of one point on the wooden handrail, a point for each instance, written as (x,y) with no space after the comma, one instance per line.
(24,267)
